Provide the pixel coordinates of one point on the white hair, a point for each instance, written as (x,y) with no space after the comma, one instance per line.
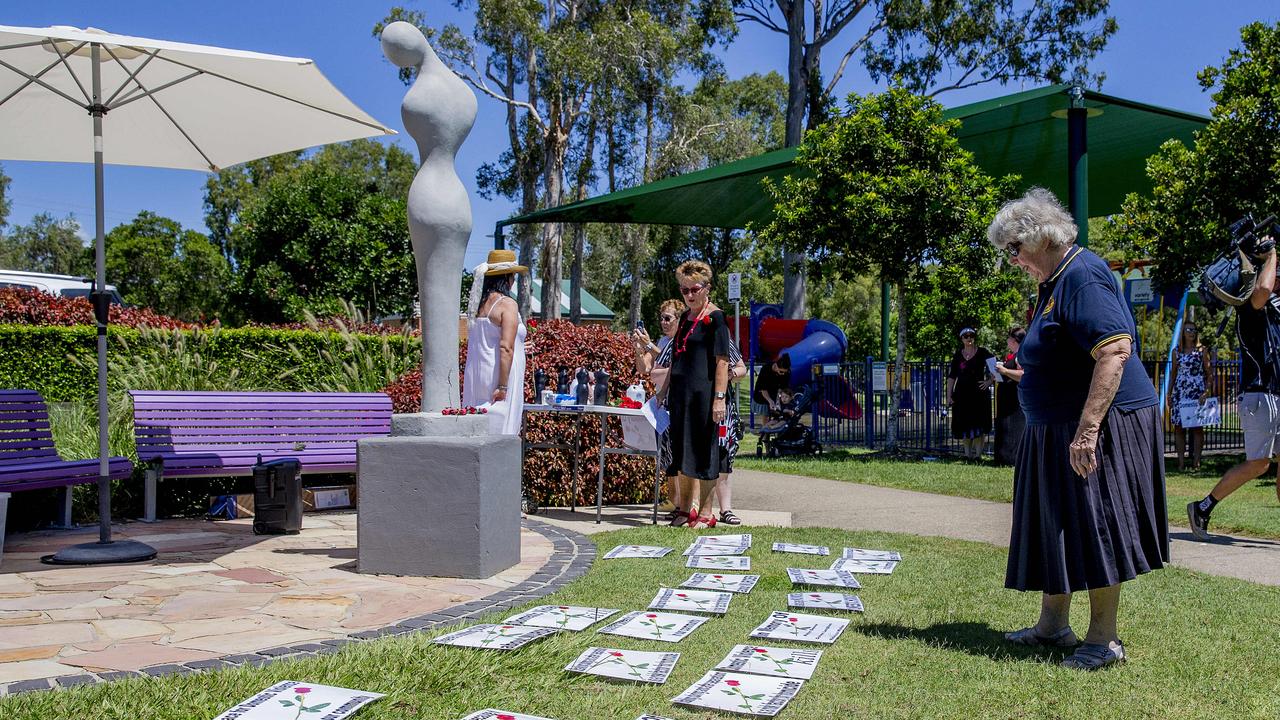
(1035,220)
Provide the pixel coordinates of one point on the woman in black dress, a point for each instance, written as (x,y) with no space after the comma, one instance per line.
(1010,422)
(968,395)
(1088,489)
(696,393)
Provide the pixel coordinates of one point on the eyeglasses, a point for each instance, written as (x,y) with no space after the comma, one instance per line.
(667,318)
(692,289)
(1013,248)
(967,336)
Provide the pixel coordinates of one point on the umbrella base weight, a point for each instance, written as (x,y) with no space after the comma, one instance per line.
(100,553)
(443,506)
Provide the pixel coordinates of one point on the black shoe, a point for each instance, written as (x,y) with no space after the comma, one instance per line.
(1198,520)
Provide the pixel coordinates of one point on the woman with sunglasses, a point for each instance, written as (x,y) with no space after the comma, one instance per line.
(969,396)
(696,392)
(653,362)
(1189,382)
(1088,488)
(1010,422)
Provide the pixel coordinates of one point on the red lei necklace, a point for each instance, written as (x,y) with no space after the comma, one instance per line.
(683,343)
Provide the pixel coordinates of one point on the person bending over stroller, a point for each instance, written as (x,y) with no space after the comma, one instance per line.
(773,378)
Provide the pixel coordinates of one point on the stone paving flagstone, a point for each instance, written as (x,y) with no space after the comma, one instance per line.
(216,590)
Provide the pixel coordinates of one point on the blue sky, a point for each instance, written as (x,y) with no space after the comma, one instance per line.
(1153,58)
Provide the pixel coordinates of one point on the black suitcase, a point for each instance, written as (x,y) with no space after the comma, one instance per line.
(277,497)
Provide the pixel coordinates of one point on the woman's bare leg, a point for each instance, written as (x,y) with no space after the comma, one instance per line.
(1180,442)
(724,496)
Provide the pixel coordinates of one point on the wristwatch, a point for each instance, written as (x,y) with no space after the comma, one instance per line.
(719,396)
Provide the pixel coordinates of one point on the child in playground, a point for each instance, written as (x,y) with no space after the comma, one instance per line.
(784,410)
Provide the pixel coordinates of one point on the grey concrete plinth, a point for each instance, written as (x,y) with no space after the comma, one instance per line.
(443,506)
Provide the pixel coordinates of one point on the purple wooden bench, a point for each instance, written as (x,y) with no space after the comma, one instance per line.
(28,460)
(218,434)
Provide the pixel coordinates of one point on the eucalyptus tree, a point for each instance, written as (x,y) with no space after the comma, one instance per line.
(546,61)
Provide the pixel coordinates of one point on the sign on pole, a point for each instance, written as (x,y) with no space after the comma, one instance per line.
(735,286)
(1140,291)
(879,377)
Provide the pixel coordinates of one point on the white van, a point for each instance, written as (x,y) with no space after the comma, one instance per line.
(63,285)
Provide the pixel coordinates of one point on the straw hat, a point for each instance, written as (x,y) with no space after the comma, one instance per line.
(503,262)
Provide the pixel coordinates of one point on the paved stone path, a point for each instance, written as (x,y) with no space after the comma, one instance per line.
(815,502)
(220,596)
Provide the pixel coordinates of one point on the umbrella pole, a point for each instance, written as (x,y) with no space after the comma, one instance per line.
(100,304)
(105,550)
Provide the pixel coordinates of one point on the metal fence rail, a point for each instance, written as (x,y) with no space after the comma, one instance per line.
(848,411)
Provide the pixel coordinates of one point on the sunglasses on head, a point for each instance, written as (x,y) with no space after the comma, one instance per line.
(692,289)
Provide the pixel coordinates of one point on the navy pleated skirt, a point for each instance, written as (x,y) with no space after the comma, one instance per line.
(1072,533)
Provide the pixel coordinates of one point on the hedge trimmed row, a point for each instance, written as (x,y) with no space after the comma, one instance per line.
(59,361)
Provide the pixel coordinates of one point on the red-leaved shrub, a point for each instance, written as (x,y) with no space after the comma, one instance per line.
(19,306)
(551,345)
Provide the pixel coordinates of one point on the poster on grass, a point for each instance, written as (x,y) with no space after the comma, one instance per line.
(782,547)
(491,714)
(649,667)
(870,567)
(724,583)
(561,617)
(719,562)
(290,700)
(800,628)
(824,601)
(735,539)
(636,551)
(667,627)
(740,693)
(864,554)
(652,717)
(716,549)
(494,637)
(771,661)
(834,578)
(685,600)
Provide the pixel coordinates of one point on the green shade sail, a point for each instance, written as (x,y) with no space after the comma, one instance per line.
(1023,134)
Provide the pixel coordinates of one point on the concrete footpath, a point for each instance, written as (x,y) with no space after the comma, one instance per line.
(814,502)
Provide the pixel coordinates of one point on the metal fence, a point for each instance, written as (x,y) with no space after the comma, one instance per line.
(853,403)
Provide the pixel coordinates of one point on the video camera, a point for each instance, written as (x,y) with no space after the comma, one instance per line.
(1228,280)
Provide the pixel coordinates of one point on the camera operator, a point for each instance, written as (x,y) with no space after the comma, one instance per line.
(1258,330)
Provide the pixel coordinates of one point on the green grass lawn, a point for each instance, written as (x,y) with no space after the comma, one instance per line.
(1251,510)
(929,646)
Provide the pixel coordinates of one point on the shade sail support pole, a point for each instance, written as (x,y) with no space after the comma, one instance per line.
(1078,163)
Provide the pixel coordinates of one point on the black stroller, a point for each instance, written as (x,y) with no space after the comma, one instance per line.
(784,434)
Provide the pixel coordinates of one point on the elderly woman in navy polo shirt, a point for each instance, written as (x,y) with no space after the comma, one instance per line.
(1089,499)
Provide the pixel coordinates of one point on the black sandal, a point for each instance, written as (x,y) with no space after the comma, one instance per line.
(728,518)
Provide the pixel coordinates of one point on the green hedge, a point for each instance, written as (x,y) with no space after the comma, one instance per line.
(40,357)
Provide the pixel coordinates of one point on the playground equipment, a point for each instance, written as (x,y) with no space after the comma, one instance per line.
(809,343)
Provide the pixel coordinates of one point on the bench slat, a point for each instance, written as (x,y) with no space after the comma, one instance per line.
(371,421)
(28,456)
(118,467)
(277,406)
(251,435)
(260,415)
(236,396)
(9,414)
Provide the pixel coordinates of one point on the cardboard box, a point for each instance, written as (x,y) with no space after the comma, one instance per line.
(330,497)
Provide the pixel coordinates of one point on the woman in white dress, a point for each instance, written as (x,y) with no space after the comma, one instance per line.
(495,344)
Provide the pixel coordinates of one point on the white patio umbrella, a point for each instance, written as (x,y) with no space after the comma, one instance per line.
(166,104)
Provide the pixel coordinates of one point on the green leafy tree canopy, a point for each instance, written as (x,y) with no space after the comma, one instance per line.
(1233,168)
(157,264)
(47,245)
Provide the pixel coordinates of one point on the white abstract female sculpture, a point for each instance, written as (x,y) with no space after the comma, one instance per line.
(438,112)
